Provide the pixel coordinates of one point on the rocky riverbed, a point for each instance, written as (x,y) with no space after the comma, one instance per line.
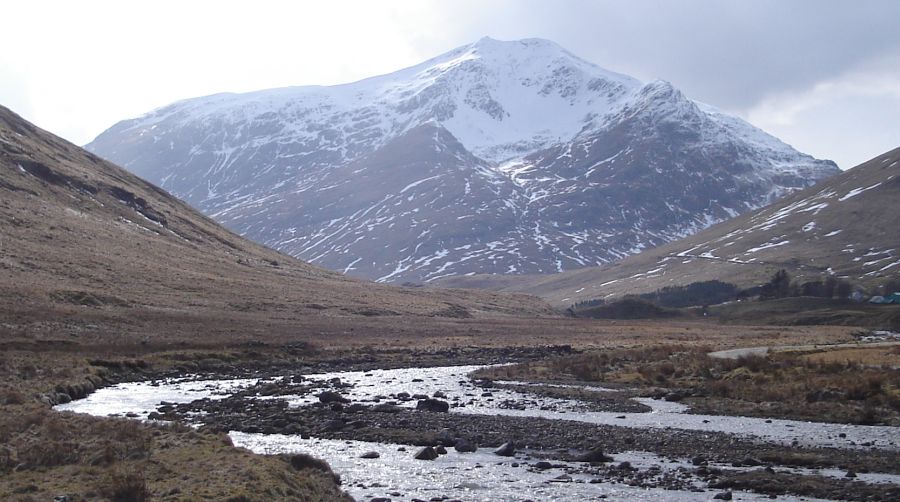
(583,436)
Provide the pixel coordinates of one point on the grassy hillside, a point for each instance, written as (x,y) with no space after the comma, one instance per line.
(87,245)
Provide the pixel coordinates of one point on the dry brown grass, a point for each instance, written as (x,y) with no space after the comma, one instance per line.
(37,438)
(867,356)
(125,485)
(790,384)
(44,454)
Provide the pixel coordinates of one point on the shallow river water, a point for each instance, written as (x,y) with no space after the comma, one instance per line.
(482,475)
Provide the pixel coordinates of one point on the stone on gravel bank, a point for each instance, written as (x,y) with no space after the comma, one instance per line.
(594,455)
(435,405)
(330,396)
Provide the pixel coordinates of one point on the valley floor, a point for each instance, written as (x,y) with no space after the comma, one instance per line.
(45,454)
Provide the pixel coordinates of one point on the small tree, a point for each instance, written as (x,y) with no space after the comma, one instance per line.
(779,286)
(843,289)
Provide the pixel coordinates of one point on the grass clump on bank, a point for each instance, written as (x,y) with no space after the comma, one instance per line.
(46,454)
(863,389)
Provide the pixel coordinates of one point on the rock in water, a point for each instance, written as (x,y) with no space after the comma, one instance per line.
(370,454)
(506,450)
(427,453)
(465,446)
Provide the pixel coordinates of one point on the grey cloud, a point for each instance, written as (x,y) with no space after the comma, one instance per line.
(730,54)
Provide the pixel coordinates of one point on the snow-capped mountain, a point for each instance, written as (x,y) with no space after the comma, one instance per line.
(504,157)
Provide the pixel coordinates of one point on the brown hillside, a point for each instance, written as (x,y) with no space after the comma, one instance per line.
(85,246)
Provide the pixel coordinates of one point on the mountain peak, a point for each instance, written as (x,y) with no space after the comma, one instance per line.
(489,43)
(659,86)
(530,53)
(533,160)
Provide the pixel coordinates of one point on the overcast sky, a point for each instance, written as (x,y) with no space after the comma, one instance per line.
(822,75)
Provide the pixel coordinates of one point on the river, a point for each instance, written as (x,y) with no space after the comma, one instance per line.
(482,475)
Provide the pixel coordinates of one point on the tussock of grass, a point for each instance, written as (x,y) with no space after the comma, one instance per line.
(36,437)
(125,485)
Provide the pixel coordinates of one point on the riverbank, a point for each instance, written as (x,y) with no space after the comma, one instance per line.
(403,406)
(47,455)
(845,383)
(37,373)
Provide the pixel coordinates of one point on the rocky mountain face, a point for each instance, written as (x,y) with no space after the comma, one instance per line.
(844,227)
(496,157)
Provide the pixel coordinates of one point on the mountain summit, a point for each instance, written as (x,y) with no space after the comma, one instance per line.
(496,157)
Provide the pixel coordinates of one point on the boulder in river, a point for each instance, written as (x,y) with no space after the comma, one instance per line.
(465,446)
(675,396)
(426,453)
(506,450)
(370,454)
(435,405)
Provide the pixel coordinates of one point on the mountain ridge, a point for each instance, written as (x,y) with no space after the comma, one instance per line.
(841,227)
(538,135)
